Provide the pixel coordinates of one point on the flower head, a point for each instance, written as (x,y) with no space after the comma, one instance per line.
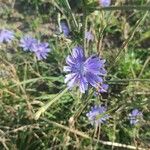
(135,116)
(41,50)
(89,36)
(82,71)
(64,27)
(97,115)
(27,43)
(6,36)
(105,3)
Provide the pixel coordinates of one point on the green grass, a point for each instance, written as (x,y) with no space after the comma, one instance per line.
(37,111)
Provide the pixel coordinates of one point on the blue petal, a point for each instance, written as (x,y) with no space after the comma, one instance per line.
(94,65)
(73,81)
(77,53)
(67,69)
(93,79)
(69,77)
(70,61)
(135,112)
(83,85)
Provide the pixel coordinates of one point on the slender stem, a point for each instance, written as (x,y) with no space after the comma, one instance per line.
(73,16)
(130,80)
(127,41)
(82,134)
(46,106)
(126,7)
(144,66)
(85,19)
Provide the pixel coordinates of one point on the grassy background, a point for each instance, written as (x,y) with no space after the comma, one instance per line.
(122,37)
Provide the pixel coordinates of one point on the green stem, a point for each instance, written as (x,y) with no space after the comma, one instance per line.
(127,7)
(46,106)
(86,136)
(85,19)
(128,40)
(73,17)
(129,80)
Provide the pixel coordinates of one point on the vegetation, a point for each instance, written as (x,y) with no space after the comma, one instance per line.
(39,111)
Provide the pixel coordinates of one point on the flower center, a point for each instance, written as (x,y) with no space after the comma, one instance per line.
(80,68)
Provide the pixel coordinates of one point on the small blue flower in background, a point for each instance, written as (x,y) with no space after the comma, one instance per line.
(105,3)
(89,36)
(41,50)
(31,44)
(64,27)
(135,116)
(6,36)
(27,43)
(84,72)
(97,115)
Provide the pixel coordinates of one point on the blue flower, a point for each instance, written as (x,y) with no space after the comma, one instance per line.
(6,36)
(27,43)
(82,71)
(64,27)
(135,116)
(105,3)
(89,36)
(97,115)
(41,50)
